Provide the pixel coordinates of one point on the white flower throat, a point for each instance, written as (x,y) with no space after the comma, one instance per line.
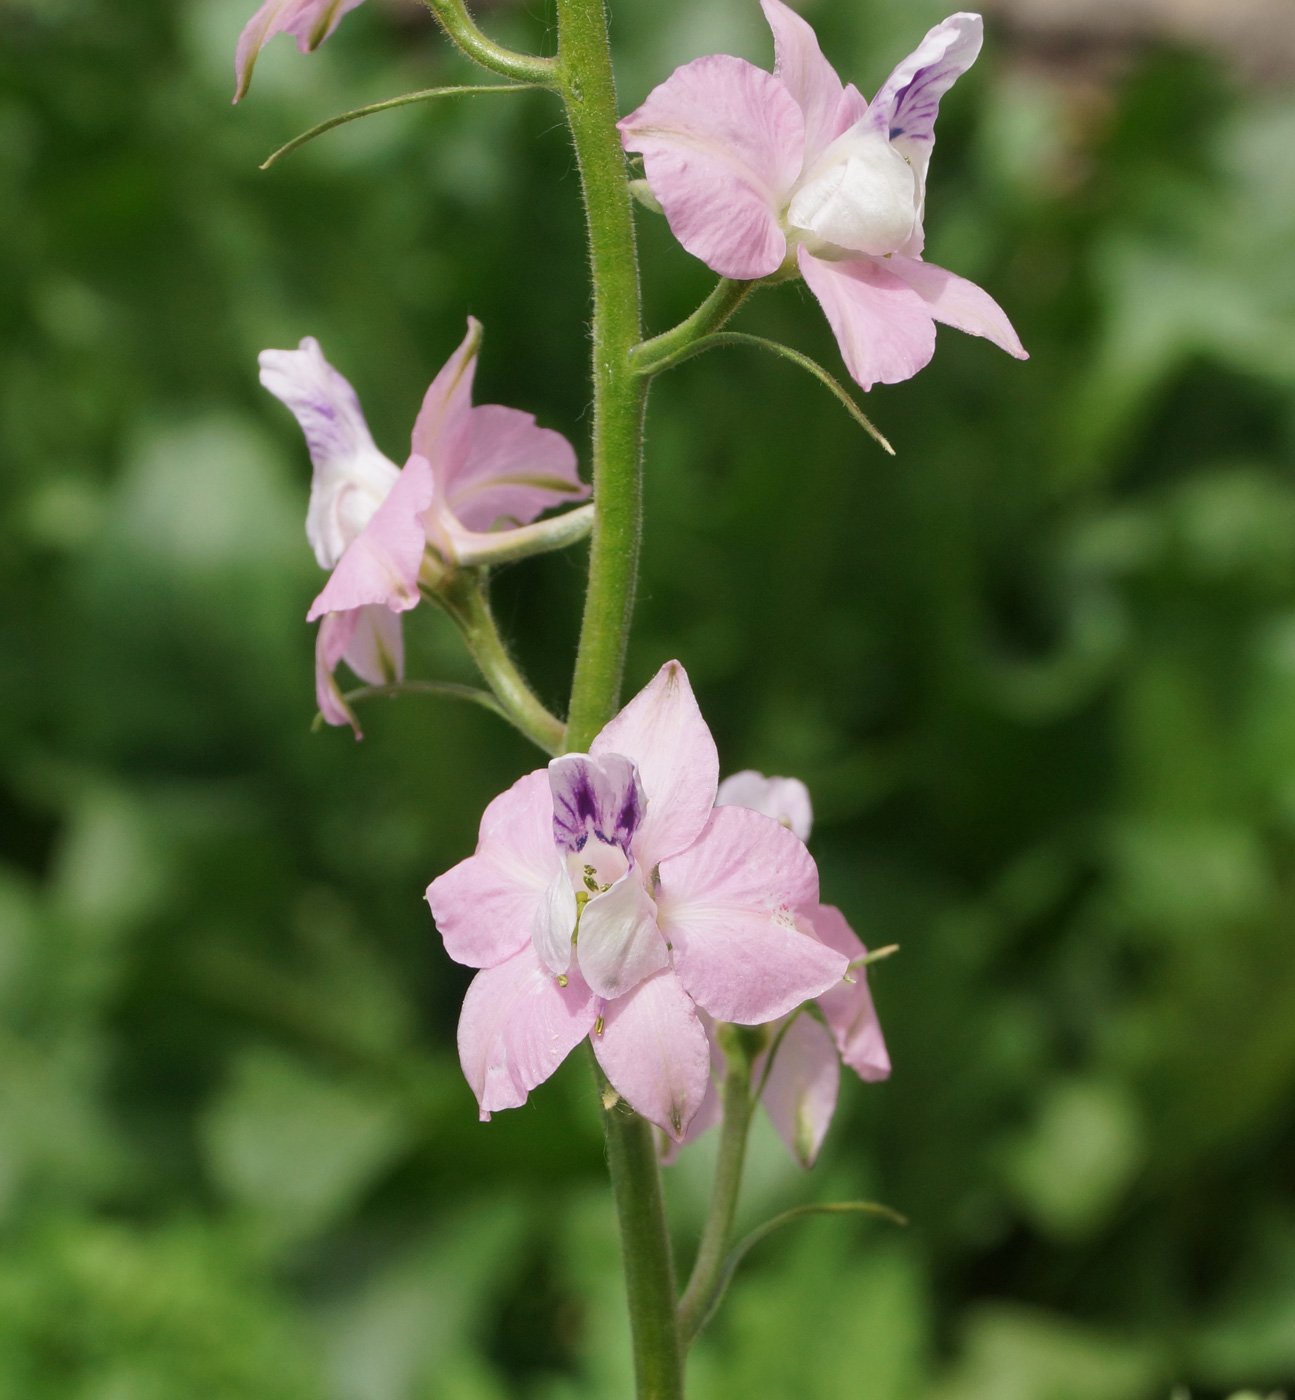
(595,868)
(861,194)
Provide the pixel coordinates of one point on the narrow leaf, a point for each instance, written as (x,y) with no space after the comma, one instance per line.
(708,342)
(450,688)
(796,1213)
(392,102)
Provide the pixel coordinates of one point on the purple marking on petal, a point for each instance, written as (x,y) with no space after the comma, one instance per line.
(599,796)
(574,802)
(909,100)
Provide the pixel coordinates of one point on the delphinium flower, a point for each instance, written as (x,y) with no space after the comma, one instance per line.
(474,480)
(800,1086)
(609,897)
(758,172)
(311,21)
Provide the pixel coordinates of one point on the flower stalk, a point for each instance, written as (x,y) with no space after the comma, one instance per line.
(740,1045)
(462,595)
(666,350)
(462,29)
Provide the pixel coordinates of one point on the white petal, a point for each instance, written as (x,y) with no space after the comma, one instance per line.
(555,922)
(619,943)
(861,196)
(351,477)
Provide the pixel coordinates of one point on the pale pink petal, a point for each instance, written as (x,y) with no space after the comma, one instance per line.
(376,651)
(800,1093)
(654,1051)
(847,1007)
(799,64)
(554,921)
(517,1025)
(440,430)
(331,641)
(485,905)
(382,564)
(619,944)
(884,328)
(662,731)
(312,21)
(851,110)
(735,907)
(786,800)
(722,144)
(351,477)
(955,302)
(510,471)
(710,1112)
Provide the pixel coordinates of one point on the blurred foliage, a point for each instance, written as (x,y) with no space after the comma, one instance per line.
(1039,673)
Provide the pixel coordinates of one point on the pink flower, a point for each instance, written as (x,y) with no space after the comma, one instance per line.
(312,21)
(786,800)
(800,1088)
(752,168)
(474,481)
(608,897)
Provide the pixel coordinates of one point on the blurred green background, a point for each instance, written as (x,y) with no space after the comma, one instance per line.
(1039,672)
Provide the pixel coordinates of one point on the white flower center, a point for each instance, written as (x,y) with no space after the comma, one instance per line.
(861,195)
(596,868)
(343,498)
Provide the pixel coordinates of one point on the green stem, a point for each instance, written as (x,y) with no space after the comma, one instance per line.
(463,597)
(584,74)
(645,1246)
(698,1298)
(663,351)
(462,29)
(585,80)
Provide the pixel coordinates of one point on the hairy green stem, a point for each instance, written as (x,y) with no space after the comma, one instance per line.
(665,350)
(698,1298)
(645,1244)
(463,597)
(474,550)
(584,75)
(585,81)
(462,29)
